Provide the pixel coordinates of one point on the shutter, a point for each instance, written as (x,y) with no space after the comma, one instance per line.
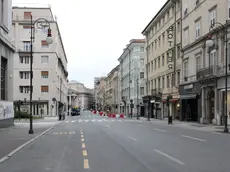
(27,15)
(43,42)
(45,89)
(45,73)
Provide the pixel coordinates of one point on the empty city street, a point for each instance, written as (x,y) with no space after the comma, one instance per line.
(95,143)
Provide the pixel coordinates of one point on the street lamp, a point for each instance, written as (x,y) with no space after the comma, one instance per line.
(210,43)
(41,24)
(132,106)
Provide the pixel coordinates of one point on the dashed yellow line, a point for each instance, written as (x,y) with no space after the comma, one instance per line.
(83,145)
(84,153)
(86,164)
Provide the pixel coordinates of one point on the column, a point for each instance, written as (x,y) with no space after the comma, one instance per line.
(203,105)
(216,119)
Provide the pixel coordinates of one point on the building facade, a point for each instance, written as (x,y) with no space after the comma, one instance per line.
(163,61)
(111,90)
(49,65)
(79,95)
(100,94)
(132,75)
(203,76)
(7,50)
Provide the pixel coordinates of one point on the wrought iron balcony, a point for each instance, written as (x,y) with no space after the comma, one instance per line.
(207,75)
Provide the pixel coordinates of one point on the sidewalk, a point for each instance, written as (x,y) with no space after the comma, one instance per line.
(189,125)
(13,137)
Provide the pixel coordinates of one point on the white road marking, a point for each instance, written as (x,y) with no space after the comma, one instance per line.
(133,138)
(194,138)
(86,120)
(170,157)
(156,129)
(140,125)
(66,121)
(108,126)
(73,121)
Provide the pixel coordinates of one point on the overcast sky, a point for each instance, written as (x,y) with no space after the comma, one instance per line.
(95,32)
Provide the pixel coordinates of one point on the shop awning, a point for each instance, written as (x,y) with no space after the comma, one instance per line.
(188,96)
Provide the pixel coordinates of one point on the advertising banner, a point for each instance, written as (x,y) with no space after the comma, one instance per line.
(6,110)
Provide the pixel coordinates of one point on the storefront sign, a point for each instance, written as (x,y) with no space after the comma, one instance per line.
(6,110)
(170,52)
(190,86)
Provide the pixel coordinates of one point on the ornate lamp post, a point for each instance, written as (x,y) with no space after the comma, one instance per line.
(41,23)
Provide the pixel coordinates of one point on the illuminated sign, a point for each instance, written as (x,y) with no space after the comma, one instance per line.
(170,52)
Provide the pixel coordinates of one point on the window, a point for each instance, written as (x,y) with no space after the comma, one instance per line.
(24,59)
(44,74)
(24,89)
(197,25)
(3,77)
(142,75)
(186,36)
(155,83)
(26,28)
(212,16)
(142,90)
(197,63)
(136,49)
(178,51)
(44,89)
(142,49)
(142,61)
(228,9)
(26,45)
(173,79)
(185,69)
(2,11)
(163,81)
(159,61)
(27,15)
(163,38)
(212,57)
(178,77)
(159,83)
(151,65)
(24,74)
(151,84)
(168,81)
(44,59)
(155,64)
(163,60)
(159,41)
(178,27)
(44,44)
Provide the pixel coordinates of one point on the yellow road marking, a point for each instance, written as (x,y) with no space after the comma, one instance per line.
(86,164)
(84,152)
(82,140)
(83,145)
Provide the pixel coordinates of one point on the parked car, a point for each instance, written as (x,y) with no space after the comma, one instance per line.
(75,112)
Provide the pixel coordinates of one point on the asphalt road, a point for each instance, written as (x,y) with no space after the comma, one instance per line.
(98,144)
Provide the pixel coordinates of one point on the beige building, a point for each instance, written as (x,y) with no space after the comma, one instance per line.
(163,60)
(203,83)
(79,95)
(49,64)
(111,90)
(7,50)
(100,94)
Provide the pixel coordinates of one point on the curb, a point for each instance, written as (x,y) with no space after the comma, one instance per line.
(25,144)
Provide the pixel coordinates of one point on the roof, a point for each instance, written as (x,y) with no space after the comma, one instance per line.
(132,41)
(144,31)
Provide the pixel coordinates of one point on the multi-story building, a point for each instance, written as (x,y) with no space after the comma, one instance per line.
(79,95)
(111,89)
(49,62)
(132,75)
(7,50)
(163,61)
(203,77)
(100,94)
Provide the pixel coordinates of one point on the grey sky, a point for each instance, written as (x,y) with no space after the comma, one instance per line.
(95,32)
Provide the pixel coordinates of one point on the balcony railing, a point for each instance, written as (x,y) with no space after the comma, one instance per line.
(209,72)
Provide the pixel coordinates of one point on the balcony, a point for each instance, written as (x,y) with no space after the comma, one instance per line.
(207,75)
(156,92)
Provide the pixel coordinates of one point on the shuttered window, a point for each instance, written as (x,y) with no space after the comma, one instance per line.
(44,74)
(27,15)
(44,44)
(44,89)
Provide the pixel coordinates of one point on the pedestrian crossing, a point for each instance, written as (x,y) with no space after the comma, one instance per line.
(63,133)
(99,120)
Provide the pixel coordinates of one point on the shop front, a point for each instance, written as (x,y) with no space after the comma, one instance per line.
(190,102)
